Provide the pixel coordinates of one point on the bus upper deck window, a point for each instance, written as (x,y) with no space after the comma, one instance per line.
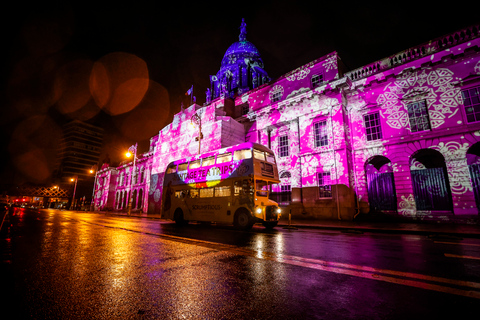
(270,157)
(183,166)
(257,154)
(208,161)
(195,164)
(242,154)
(226,157)
(172,168)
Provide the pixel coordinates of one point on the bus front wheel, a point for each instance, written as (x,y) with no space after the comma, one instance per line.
(243,220)
(178,217)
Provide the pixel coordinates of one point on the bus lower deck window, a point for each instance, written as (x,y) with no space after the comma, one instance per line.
(194,193)
(206,192)
(222,191)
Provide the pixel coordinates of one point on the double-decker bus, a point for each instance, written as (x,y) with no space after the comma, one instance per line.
(229,185)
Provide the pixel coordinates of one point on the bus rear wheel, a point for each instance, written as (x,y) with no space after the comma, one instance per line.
(178,217)
(243,220)
(270,224)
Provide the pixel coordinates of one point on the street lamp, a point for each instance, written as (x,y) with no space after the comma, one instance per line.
(75,178)
(132,151)
(198,121)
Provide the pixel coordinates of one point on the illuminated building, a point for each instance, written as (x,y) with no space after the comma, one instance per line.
(400,135)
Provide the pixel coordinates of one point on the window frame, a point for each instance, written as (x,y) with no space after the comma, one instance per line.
(314,82)
(416,119)
(467,115)
(283,147)
(378,127)
(276,96)
(318,139)
(326,192)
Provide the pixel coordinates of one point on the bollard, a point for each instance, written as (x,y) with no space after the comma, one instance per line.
(290,222)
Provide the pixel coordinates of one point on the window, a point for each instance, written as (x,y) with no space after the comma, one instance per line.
(320,133)
(270,157)
(194,193)
(208,161)
(242,154)
(372,124)
(260,155)
(276,96)
(245,109)
(262,188)
(283,146)
(195,164)
(183,166)
(226,157)
(206,192)
(286,193)
(316,80)
(418,115)
(222,191)
(471,101)
(324,185)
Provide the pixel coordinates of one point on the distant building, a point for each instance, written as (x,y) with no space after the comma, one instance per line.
(399,136)
(79,150)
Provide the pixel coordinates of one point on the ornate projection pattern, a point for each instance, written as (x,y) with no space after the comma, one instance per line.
(398,108)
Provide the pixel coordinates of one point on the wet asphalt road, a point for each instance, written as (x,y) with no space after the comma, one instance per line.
(69,265)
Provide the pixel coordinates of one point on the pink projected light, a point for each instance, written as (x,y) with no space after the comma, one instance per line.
(397,136)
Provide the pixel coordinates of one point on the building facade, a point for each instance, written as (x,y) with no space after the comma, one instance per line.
(398,136)
(79,150)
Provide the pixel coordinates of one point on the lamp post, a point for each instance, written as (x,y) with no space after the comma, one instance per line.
(132,151)
(92,203)
(198,121)
(74,189)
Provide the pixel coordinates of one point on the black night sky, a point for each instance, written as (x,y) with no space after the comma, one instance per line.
(181,45)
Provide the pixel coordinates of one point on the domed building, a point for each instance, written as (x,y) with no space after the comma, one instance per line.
(241,69)
(399,136)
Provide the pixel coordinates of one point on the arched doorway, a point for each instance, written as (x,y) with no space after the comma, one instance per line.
(140,199)
(380,184)
(431,188)
(473,162)
(134,199)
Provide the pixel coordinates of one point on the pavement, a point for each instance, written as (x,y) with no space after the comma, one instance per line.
(379,225)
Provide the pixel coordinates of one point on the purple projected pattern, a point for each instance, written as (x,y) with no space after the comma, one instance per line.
(396,133)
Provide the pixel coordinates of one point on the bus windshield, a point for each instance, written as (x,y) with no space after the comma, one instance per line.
(261,187)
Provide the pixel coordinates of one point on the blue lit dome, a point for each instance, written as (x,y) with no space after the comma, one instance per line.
(239,51)
(241,69)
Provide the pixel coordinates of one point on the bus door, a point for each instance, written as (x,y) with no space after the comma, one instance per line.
(243,193)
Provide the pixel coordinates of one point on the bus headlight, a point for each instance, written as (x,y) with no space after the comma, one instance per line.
(259,210)
(279,210)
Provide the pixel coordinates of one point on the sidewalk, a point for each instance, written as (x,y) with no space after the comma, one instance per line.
(418,228)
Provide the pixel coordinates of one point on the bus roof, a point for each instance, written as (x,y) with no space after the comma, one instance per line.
(242,146)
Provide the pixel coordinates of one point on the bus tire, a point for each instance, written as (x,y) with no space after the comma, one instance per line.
(243,220)
(178,217)
(270,224)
